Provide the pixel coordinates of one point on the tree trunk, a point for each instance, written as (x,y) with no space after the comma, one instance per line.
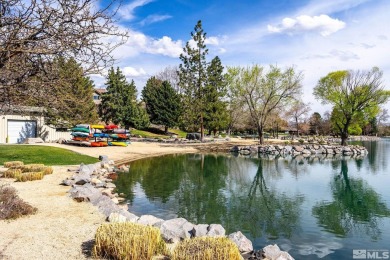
(166,130)
(201,128)
(215,132)
(277,131)
(261,136)
(296,122)
(344,137)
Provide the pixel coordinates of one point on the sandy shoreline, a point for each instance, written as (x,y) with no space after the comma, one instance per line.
(63,227)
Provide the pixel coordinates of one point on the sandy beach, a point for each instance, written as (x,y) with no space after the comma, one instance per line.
(63,228)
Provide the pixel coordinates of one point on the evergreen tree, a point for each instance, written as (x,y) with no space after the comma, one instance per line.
(315,123)
(70,102)
(119,103)
(162,103)
(216,115)
(193,78)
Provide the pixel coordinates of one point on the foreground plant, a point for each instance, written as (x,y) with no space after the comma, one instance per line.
(206,248)
(128,241)
(11,206)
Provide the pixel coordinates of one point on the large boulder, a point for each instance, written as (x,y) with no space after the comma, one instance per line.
(149,220)
(243,243)
(273,252)
(200,230)
(116,217)
(176,229)
(86,192)
(216,230)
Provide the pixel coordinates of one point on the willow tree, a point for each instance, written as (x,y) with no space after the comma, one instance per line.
(264,91)
(353,94)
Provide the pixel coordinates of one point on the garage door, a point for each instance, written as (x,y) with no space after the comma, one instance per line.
(18,130)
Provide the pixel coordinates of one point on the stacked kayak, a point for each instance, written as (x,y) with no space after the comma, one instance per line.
(99,135)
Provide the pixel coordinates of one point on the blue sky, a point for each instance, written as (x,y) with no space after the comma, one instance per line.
(317,37)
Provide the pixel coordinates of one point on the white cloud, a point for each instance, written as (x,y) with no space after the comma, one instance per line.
(127,11)
(212,40)
(323,24)
(154,18)
(133,72)
(165,46)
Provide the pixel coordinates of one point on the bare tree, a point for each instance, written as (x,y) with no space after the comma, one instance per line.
(170,74)
(35,32)
(297,110)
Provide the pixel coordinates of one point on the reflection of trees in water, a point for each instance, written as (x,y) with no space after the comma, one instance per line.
(217,189)
(158,177)
(28,130)
(356,208)
(259,210)
(377,158)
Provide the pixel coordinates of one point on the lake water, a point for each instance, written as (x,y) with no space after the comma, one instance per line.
(311,207)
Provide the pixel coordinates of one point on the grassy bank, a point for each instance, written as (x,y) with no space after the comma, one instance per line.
(42,154)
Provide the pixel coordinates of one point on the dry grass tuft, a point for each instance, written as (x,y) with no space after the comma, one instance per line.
(11,206)
(13,164)
(30,176)
(128,241)
(206,248)
(33,168)
(48,170)
(12,173)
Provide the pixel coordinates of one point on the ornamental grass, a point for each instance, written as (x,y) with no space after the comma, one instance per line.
(206,248)
(30,176)
(12,173)
(11,206)
(128,241)
(13,164)
(36,167)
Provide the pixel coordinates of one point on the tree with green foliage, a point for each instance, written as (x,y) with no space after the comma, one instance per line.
(353,94)
(70,101)
(193,78)
(216,115)
(163,103)
(119,104)
(315,122)
(264,92)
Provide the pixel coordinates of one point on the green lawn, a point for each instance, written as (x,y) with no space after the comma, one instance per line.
(42,154)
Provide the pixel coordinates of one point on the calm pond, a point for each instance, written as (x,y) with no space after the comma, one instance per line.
(311,207)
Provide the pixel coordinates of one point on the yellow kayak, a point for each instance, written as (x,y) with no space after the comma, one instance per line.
(117,143)
(97,126)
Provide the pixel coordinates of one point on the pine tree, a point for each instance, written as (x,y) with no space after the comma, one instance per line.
(119,103)
(193,78)
(162,103)
(216,115)
(70,102)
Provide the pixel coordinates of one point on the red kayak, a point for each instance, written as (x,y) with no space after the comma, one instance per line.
(111,127)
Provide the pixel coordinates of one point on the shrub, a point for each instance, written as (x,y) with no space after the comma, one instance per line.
(301,141)
(128,241)
(13,164)
(12,173)
(30,176)
(11,206)
(207,248)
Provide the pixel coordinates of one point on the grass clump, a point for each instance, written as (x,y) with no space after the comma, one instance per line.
(11,206)
(13,164)
(12,173)
(36,167)
(127,241)
(206,248)
(30,176)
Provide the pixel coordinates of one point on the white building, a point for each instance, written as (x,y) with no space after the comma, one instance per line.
(19,123)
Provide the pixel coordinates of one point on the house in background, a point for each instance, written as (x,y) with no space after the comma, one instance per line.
(18,123)
(97,95)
